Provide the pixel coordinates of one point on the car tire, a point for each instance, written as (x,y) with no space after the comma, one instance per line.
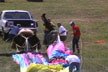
(0,33)
(4,35)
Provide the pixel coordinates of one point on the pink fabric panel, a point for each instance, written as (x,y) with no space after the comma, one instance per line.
(58,46)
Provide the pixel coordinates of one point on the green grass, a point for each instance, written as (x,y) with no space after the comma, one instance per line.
(90,15)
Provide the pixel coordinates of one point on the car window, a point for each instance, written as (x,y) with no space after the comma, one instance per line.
(16,15)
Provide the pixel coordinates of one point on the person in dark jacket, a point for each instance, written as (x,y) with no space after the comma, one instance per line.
(49,26)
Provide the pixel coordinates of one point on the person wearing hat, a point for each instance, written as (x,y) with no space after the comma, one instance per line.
(76,37)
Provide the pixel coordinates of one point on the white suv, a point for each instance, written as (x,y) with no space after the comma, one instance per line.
(22,17)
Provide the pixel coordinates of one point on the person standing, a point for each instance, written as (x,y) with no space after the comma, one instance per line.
(76,37)
(49,26)
(62,32)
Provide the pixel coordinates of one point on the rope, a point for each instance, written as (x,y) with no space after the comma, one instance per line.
(81,55)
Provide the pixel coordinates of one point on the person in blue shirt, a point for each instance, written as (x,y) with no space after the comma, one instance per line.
(13,31)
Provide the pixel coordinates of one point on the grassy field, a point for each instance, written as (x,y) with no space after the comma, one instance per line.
(90,15)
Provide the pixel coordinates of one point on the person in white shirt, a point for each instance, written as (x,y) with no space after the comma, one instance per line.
(74,61)
(62,32)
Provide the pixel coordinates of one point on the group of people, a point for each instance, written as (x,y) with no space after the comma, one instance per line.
(73,60)
(62,31)
(26,38)
(76,35)
(49,32)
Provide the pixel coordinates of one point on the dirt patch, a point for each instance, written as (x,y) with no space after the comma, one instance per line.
(100,42)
